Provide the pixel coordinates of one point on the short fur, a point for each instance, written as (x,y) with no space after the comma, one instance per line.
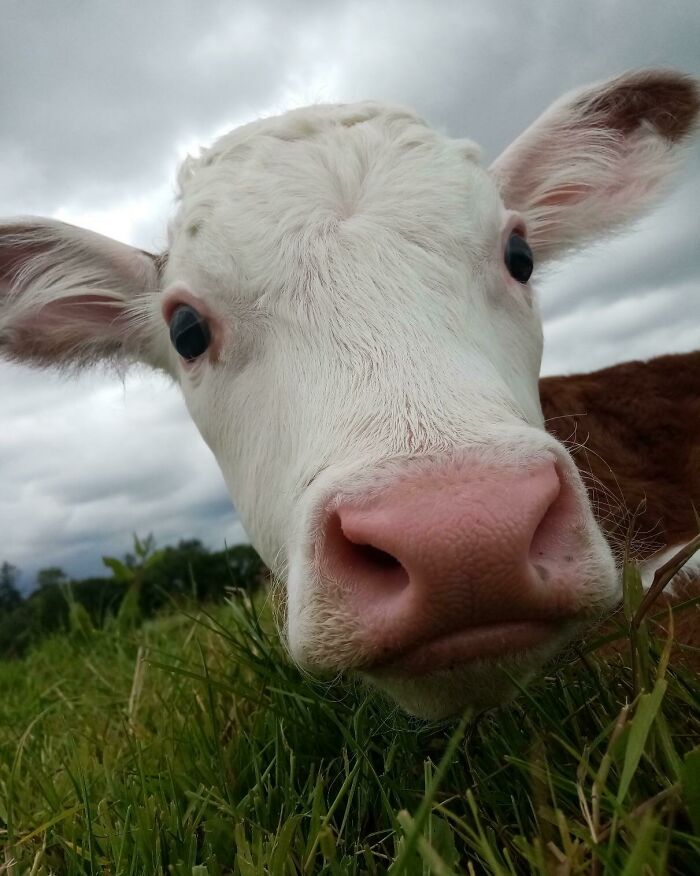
(635,428)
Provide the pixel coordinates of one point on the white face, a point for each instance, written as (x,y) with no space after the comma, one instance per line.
(345,304)
(349,263)
(355,286)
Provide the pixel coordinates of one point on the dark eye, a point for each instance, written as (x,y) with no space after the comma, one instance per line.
(189,333)
(518,258)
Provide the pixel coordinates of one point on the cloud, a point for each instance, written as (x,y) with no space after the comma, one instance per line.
(99,462)
(100,102)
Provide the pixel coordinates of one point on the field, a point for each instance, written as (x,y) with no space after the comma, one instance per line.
(189,745)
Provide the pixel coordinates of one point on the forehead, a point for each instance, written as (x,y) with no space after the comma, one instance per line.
(287,187)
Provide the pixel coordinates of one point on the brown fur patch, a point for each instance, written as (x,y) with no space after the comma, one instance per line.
(639,423)
(665,99)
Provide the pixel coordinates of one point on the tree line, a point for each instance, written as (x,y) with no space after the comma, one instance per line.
(139,585)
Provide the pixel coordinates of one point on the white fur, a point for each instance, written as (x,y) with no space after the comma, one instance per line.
(352,259)
(688,574)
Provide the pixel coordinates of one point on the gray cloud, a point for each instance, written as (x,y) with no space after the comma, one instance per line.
(100,101)
(98,462)
(101,95)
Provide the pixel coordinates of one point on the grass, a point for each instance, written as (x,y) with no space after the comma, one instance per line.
(191,746)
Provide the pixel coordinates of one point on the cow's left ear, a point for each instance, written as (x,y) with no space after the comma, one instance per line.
(71,296)
(597,158)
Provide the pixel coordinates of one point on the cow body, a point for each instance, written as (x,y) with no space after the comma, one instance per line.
(635,429)
(346,306)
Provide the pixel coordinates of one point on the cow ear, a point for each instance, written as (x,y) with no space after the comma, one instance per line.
(70,296)
(598,158)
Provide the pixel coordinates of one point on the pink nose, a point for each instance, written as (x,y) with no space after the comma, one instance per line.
(487,551)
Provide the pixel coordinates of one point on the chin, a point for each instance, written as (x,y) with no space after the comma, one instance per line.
(477,686)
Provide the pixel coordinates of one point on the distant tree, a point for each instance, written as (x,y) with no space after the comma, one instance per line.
(49,608)
(246,569)
(191,546)
(143,583)
(169,573)
(10,597)
(143,549)
(100,596)
(15,631)
(50,577)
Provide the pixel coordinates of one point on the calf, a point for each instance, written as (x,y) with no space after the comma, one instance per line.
(345,303)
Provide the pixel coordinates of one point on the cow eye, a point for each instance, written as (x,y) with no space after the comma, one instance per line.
(518,258)
(189,332)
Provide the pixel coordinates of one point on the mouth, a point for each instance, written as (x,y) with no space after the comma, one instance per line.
(483,642)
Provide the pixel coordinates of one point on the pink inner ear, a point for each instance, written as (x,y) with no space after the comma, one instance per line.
(95,311)
(63,328)
(621,190)
(70,293)
(565,194)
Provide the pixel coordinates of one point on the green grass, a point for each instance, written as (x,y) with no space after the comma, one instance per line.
(191,746)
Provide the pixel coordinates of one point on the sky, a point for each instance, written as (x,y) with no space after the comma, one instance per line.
(99,102)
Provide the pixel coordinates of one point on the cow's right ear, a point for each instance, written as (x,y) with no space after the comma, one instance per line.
(69,296)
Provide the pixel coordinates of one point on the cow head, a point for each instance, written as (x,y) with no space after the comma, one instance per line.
(346,305)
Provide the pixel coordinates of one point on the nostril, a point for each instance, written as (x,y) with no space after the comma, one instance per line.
(358,562)
(542,571)
(373,556)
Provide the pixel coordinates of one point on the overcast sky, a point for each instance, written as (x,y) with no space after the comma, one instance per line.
(100,101)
